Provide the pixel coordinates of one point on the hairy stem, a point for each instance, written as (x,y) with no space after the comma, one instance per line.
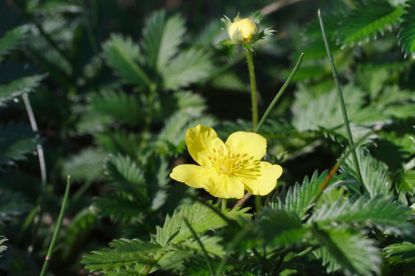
(57,227)
(267,112)
(254,104)
(254,92)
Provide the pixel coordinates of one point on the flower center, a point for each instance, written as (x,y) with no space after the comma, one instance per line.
(235,164)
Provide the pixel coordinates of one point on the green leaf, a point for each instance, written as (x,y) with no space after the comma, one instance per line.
(162,38)
(299,198)
(170,40)
(19,87)
(16,141)
(375,174)
(122,256)
(122,55)
(119,106)
(400,253)
(87,165)
(188,67)
(313,112)
(367,20)
(175,127)
(279,228)
(169,247)
(199,216)
(12,39)
(119,142)
(126,174)
(120,208)
(11,204)
(392,217)
(407,30)
(352,253)
(152,36)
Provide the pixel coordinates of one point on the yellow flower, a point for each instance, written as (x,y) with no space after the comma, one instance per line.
(242,30)
(225,170)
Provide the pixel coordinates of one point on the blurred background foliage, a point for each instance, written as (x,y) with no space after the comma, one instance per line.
(114,85)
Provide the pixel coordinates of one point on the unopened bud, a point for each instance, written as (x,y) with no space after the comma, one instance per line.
(242,30)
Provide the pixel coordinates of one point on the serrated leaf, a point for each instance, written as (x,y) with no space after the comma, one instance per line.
(407,30)
(122,55)
(87,165)
(119,208)
(119,142)
(176,126)
(188,67)
(171,39)
(123,255)
(299,198)
(125,172)
(16,141)
(400,253)
(352,253)
(152,36)
(118,106)
(199,216)
(162,38)
(375,175)
(312,113)
(12,39)
(18,87)
(279,227)
(367,20)
(392,217)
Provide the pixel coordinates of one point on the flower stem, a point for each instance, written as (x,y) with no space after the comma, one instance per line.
(57,228)
(254,92)
(341,98)
(223,204)
(267,112)
(254,104)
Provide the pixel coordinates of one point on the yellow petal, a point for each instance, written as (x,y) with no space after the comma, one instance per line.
(191,175)
(267,180)
(224,186)
(203,142)
(247,142)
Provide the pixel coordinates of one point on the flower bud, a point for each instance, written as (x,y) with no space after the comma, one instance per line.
(242,30)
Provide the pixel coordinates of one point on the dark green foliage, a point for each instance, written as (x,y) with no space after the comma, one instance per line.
(300,198)
(122,55)
(12,39)
(18,87)
(407,32)
(367,20)
(12,204)
(400,253)
(376,180)
(383,213)
(114,85)
(351,252)
(16,141)
(169,247)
